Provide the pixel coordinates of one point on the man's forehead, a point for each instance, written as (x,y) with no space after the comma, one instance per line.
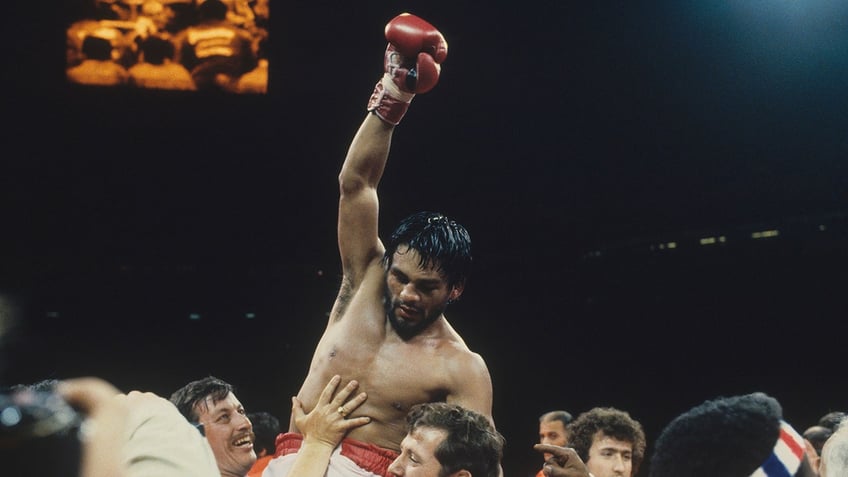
(424,440)
(209,404)
(553,424)
(604,441)
(408,259)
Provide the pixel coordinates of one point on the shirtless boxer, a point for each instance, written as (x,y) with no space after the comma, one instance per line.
(387,329)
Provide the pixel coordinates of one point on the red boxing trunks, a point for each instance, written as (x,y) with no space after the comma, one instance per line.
(368,457)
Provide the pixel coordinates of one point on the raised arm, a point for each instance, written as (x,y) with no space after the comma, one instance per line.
(363,167)
(411,65)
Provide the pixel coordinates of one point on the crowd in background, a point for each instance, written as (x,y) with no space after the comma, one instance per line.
(219,45)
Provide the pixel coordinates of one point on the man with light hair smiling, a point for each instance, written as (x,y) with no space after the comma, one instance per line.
(211,405)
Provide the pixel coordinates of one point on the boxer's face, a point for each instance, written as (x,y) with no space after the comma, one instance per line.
(415,296)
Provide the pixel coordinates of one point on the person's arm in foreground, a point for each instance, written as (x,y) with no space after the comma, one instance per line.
(325,427)
(564,462)
(105,424)
(135,434)
(161,442)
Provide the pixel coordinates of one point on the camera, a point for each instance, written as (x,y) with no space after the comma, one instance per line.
(39,433)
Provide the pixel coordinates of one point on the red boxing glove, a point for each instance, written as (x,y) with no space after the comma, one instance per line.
(411,64)
(416,40)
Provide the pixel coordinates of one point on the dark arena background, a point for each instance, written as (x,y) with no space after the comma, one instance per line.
(656,193)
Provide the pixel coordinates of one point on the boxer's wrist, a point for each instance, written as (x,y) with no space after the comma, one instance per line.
(388,101)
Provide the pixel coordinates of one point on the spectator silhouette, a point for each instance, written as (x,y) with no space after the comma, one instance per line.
(215,51)
(156,68)
(98,66)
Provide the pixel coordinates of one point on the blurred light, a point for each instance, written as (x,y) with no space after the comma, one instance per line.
(713,240)
(10,416)
(765,234)
(250,316)
(664,246)
(194,316)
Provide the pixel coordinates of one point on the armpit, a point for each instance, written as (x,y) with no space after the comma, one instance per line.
(343,298)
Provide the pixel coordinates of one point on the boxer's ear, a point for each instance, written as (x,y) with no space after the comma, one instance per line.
(456,291)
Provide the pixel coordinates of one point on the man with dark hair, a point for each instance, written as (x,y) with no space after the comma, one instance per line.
(387,328)
(211,404)
(737,436)
(444,439)
(266,428)
(553,430)
(609,441)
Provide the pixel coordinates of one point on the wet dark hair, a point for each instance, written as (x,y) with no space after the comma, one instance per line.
(471,442)
(439,241)
(189,396)
(727,436)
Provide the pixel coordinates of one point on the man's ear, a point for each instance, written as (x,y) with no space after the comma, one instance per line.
(456,291)
(461,473)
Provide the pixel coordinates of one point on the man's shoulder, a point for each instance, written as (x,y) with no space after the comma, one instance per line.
(459,356)
(456,350)
(453,336)
(469,358)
